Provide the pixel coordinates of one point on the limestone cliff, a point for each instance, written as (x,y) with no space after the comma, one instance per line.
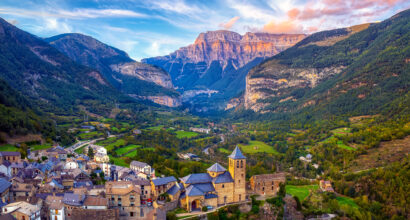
(276,80)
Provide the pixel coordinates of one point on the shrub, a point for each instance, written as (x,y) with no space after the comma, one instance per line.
(204,209)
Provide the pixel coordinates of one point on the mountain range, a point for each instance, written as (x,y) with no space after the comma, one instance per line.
(213,68)
(136,79)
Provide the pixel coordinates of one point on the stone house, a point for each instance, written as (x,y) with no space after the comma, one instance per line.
(95,202)
(22,211)
(125,196)
(21,190)
(12,157)
(55,207)
(141,167)
(162,185)
(267,184)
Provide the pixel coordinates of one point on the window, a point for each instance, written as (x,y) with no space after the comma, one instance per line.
(242,175)
(55,217)
(131,214)
(223,186)
(263,189)
(272,188)
(237,164)
(240,197)
(239,181)
(241,163)
(56,211)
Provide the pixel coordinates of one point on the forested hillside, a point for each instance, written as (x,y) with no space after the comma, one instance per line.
(337,73)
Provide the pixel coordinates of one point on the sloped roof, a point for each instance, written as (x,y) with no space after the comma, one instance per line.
(4,185)
(175,188)
(223,178)
(9,153)
(95,201)
(194,191)
(163,180)
(216,168)
(138,163)
(197,178)
(73,199)
(199,189)
(237,154)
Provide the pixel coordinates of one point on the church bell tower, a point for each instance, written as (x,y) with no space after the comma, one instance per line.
(237,168)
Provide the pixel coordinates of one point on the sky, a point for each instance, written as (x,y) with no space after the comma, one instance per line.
(147,28)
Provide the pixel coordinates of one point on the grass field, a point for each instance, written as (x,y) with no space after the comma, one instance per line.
(186,134)
(110,143)
(300,191)
(257,147)
(338,142)
(131,154)
(341,131)
(119,161)
(8,147)
(155,128)
(126,149)
(40,147)
(346,201)
(223,150)
(90,135)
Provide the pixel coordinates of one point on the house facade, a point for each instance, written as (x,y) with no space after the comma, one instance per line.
(267,184)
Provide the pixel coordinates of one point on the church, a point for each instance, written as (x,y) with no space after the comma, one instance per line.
(216,187)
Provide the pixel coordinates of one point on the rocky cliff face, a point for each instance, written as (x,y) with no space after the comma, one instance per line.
(226,45)
(220,60)
(276,80)
(127,75)
(145,72)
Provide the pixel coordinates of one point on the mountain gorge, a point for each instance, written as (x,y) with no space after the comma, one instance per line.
(138,80)
(356,70)
(216,64)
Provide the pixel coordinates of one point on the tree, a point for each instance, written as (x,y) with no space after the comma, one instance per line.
(282,190)
(90,153)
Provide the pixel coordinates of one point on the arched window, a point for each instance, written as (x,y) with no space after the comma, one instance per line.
(223,186)
(237,164)
(241,163)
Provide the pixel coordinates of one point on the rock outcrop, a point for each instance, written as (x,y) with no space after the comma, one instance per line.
(276,80)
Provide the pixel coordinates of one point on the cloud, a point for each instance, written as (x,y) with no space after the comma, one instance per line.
(13,21)
(228,25)
(177,6)
(288,27)
(73,14)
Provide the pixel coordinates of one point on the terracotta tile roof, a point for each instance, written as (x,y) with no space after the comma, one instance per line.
(95,201)
(106,214)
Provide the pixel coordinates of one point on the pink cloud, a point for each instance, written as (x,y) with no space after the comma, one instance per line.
(228,25)
(283,27)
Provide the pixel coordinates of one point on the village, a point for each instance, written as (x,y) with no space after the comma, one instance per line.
(62,184)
